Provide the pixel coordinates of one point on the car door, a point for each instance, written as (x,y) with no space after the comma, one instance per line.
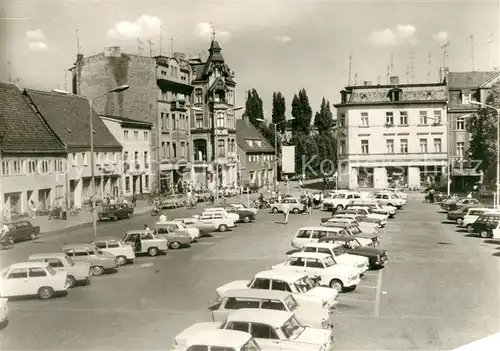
(266,336)
(207,217)
(261,283)
(81,255)
(313,266)
(37,278)
(55,263)
(297,264)
(24,230)
(280,285)
(16,283)
(131,238)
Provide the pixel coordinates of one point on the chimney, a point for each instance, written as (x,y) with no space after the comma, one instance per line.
(79,57)
(113,51)
(394,80)
(367,82)
(179,56)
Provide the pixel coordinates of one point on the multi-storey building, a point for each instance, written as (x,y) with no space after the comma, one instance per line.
(213,123)
(395,133)
(255,155)
(32,159)
(135,138)
(67,116)
(464,87)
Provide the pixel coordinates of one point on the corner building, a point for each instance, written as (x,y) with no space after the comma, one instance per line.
(393,134)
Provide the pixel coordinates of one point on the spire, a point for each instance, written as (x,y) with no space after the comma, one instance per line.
(213,32)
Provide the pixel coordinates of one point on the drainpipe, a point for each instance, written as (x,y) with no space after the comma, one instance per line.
(1,188)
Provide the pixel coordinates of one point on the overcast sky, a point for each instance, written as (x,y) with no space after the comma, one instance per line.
(271,45)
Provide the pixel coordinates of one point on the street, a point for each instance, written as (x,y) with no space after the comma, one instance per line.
(439,289)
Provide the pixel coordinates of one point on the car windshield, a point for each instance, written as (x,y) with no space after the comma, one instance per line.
(292,328)
(339,251)
(50,270)
(355,230)
(353,244)
(329,261)
(70,261)
(304,285)
(338,196)
(291,303)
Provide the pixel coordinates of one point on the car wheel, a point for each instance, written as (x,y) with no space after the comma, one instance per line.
(469,228)
(340,207)
(246,219)
(274,210)
(70,281)
(32,236)
(121,260)
(485,234)
(295,210)
(336,284)
(152,251)
(97,270)
(45,293)
(459,221)
(175,245)
(222,228)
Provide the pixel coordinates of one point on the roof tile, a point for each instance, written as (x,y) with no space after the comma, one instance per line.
(463,80)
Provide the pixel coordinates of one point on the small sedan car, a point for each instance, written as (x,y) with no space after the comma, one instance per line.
(145,242)
(115,212)
(22,230)
(78,272)
(244,216)
(293,203)
(99,260)
(376,257)
(244,207)
(4,312)
(175,238)
(32,279)
(205,228)
(218,339)
(173,226)
(124,253)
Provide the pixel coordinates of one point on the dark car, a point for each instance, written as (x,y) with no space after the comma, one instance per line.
(462,202)
(251,188)
(20,231)
(485,224)
(115,212)
(245,216)
(376,257)
(459,214)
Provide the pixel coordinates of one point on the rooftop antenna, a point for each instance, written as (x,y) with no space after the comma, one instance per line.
(388,74)
(392,62)
(412,60)
(350,70)
(407,74)
(11,79)
(65,80)
(161,38)
(471,36)
(77,42)
(355,79)
(213,31)
(428,74)
(150,48)
(171,46)
(490,50)
(444,47)
(378,79)
(140,47)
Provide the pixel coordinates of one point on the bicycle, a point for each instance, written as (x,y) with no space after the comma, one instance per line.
(75,211)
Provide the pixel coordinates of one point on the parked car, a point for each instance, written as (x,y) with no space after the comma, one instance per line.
(205,228)
(362,216)
(175,238)
(99,261)
(244,216)
(299,284)
(306,235)
(459,214)
(397,192)
(331,274)
(340,200)
(369,215)
(366,238)
(175,226)
(273,330)
(146,242)
(124,253)
(221,222)
(352,245)
(485,225)
(77,272)
(32,279)
(390,199)
(222,211)
(4,311)
(294,204)
(244,207)
(219,340)
(310,312)
(375,207)
(115,212)
(462,202)
(22,230)
(366,227)
(472,215)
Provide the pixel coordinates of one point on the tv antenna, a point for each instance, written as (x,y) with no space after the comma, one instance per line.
(388,74)
(471,36)
(446,54)
(378,79)
(429,62)
(490,51)
(77,42)
(350,70)
(171,46)
(150,48)
(161,39)
(392,63)
(411,65)
(11,79)
(407,74)
(140,47)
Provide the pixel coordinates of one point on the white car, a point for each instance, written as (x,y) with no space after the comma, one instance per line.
(370,214)
(299,284)
(177,226)
(217,340)
(350,218)
(273,330)
(322,265)
(4,310)
(340,200)
(390,199)
(234,216)
(397,192)
(220,221)
(472,215)
(124,253)
(243,207)
(32,278)
(340,255)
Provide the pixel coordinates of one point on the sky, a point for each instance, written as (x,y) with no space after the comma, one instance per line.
(271,45)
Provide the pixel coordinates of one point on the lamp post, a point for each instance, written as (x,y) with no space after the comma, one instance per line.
(91,131)
(498,145)
(276,148)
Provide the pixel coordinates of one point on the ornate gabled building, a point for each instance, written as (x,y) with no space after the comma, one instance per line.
(213,123)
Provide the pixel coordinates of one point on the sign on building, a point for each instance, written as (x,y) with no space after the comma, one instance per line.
(288,159)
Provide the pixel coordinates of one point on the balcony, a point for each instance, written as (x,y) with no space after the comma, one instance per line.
(176,85)
(178,105)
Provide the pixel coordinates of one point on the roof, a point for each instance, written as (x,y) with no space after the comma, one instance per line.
(29,265)
(78,245)
(129,122)
(22,128)
(315,227)
(338,238)
(219,337)
(244,131)
(284,275)
(310,255)
(257,293)
(107,238)
(202,71)
(50,254)
(471,80)
(318,244)
(257,315)
(68,117)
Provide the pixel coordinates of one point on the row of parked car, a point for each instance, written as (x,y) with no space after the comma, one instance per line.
(291,306)
(473,216)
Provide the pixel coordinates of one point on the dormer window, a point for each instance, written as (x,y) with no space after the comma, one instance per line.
(345,96)
(466,98)
(395,94)
(249,142)
(258,143)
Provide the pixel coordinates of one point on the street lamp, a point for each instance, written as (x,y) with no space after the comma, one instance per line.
(498,144)
(276,147)
(91,131)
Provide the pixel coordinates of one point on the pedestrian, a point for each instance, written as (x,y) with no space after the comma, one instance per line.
(146,227)
(138,243)
(469,196)
(309,203)
(134,201)
(33,209)
(163,217)
(300,183)
(286,212)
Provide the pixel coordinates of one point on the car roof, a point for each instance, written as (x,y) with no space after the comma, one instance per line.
(29,265)
(219,337)
(316,227)
(344,225)
(107,238)
(337,238)
(309,255)
(322,244)
(137,231)
(78,246)
(274,318)
(287,276)
(257,293)
(48,255)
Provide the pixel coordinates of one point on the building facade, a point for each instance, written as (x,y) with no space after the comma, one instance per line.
(213,122)
(67,116)
(32,158)
(256,157)
(135,138)
(464,87)
(392,134)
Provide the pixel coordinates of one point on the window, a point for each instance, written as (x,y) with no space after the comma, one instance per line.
(81,253)
(263,331)
(389,118)
(125,134)
(146,160)
(390,146)
(106,158)
(220,120)
(146,181)
(16,167)
(403,118)
(404,146)
(460,123)
(136,135)
(146,136)
(423,145)
(280,285)
(342,120)
(297,262)
(364,147)
(261,283)
(275,304)
(364,119)
(466,98)
(313,263)
(199,120)
(5,168)
(460,148)
(174,150)
(54,262)
(437,145)
(37,272)
(423,117)
(198,96)
(136,158)
(18,273)
(220,148)
(437,117)
(44,166)
(342,147)
(125,160)
(115,158)
(239,326)
(127,184)
(32,166)
(74,159)
(84,158)
(59,191)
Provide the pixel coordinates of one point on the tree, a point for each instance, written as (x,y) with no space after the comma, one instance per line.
(254,109)
(302,112)
(323,119)
(483,131)
(279,109)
